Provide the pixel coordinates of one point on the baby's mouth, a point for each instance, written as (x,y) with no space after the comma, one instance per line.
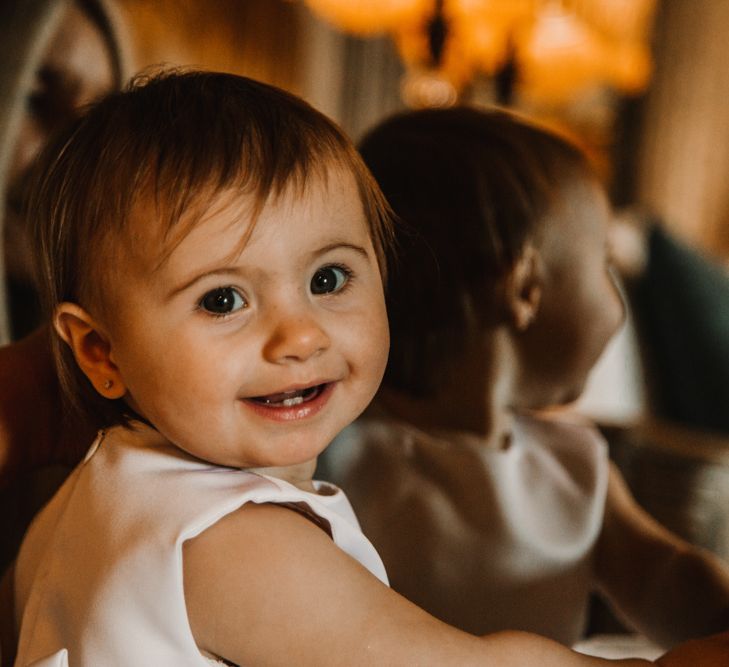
(289,399)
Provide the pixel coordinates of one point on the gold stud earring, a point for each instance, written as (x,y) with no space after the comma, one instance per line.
(108,384)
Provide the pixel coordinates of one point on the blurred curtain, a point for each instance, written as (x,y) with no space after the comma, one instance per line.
(683,165)
(256,38)
(355,81)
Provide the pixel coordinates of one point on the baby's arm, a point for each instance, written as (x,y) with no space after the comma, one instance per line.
(665,587)
(265,586)
(707,652)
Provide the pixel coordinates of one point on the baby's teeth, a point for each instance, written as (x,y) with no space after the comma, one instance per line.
(296,400)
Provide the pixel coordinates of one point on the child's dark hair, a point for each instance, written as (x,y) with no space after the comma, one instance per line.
(167,145)
(471,188)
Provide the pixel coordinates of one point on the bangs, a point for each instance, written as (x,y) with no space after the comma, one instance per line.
(178,151)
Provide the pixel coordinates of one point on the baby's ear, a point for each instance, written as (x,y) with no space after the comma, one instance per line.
(524,289)
(91,349)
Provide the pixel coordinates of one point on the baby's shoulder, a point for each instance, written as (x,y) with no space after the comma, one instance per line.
(247,541)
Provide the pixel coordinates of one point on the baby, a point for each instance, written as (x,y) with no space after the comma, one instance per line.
(486,514)
(213,256)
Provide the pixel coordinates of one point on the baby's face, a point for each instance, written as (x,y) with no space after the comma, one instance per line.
(255,357)
(581,307)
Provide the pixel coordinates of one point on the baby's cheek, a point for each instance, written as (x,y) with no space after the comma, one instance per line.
(381,338)
(371,337)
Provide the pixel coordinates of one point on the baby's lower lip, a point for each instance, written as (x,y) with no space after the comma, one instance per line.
(289,410)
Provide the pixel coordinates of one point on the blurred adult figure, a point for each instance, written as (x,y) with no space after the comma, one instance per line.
(55,57)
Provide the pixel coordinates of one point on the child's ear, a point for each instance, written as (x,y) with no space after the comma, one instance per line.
(524,289)
(91,349)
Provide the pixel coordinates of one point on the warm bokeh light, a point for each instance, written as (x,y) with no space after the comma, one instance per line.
(558,48)
(366,17)
(559,54)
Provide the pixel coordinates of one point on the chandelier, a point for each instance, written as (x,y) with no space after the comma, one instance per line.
(549,51)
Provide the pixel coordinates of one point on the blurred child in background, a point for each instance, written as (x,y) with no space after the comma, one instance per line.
(487,513)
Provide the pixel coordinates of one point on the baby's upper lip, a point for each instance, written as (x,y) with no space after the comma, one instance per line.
(291,389)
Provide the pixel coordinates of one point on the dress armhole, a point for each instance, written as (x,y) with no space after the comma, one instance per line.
(306,511)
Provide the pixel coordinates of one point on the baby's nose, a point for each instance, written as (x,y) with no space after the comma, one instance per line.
(296,338)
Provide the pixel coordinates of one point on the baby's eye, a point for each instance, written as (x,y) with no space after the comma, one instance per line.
(222,301)
(330,279)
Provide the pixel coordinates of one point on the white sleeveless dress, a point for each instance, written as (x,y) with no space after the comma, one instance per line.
(484,539)
(99,575)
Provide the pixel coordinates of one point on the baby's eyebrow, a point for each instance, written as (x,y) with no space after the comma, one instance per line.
(337,245)
(222,271)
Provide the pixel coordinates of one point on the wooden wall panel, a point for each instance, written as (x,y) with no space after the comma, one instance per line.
(257,38)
